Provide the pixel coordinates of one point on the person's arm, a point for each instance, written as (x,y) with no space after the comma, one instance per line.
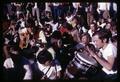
(5,50)
(58,75)
(28,73)
(108,64)
(8,63)
(98,8)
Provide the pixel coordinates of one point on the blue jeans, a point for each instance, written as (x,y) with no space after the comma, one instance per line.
(56,12)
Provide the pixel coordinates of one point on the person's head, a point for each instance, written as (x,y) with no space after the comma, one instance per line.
(69,13)
(102,20)
(56,35)
(85,38)
(45,57)
(48,13)
(23,34)
(92,48)
(101,37)
(48,27)
(109,20)
(12,24)
(93,26)
(108,26)
(21,16)
(75,21)
(55,40)
(67,26)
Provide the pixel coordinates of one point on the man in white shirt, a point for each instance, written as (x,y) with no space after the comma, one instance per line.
(108,54)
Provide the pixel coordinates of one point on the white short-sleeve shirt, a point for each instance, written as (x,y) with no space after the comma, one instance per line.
(110,50)
(52,71)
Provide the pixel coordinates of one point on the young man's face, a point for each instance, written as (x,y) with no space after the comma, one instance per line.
(98,42)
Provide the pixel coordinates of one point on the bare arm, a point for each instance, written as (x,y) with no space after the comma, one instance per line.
(5,50)
(58,75)
(108,64)
(8,63)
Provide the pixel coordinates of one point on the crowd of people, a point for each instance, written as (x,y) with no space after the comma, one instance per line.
(62,40)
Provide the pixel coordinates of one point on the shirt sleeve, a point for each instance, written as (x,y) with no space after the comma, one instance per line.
(58,68)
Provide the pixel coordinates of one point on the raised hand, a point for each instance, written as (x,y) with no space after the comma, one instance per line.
(8,63)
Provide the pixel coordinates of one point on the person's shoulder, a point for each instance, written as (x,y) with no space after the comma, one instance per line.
(111,45)
(89,30)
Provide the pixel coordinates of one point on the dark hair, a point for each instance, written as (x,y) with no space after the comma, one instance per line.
(68,13)
(103,34)
(21,15)
(48,26)
(68,26)
(44,56)
(114,38)
(92,47)
(56,34)
(76,18)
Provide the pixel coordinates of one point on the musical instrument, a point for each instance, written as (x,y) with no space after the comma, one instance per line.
(81,65)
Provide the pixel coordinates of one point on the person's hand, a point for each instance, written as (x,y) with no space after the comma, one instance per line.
(32,42)
(43,78)
(98,10)
(91,52)
(8,63)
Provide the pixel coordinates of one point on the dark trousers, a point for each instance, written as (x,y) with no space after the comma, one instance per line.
(103,76)
(18,72)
